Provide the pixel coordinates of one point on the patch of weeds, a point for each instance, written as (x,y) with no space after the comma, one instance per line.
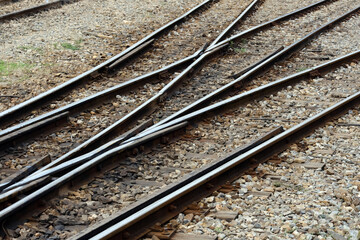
(299,188)
(240,50)
(56,46)
(37,49)
(236,49)
(78,42)
(218,229)
(301,69)
(8,67)
(277,184)
(70,46)
(291,230)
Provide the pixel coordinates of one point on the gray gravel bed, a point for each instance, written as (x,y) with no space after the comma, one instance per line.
(183,41)
(213,138)
(339,41)
(78,129)
(301,203)
(12,6)
(215,74)
(91,122)
(51,47)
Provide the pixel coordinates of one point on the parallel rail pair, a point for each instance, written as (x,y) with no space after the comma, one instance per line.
(179,120)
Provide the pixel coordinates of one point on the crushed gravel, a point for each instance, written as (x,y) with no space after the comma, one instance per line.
(299,203)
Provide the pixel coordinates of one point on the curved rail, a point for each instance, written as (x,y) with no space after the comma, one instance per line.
(237,100)
(144,108)
(136,220)
(90,166)
(257,69)
(24,107)
(82,103)
(30,10)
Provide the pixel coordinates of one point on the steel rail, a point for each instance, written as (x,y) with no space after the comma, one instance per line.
(214,109)
(92,100)
(26,171)
(236,75)
(21,134)
(107,223)
(31,10)
(240,99)
(58,166)
(236,21)
(149,105)
(5,131)
(24,107)
(163,206)
(270,23)
(247,76)
(78,173)
(88,101)
(255,93)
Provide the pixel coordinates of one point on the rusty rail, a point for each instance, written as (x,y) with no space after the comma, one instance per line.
(92,166)
(86,102)
(19,110)
(136,220)
(30,10)
(247,76)
(107,93)
(98,230)
(144,108)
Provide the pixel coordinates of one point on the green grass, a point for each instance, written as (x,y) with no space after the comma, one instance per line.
(70,46)
(277,184)
(66,45)
(240,50)
(25,48)
(237,49)
(8,67)
(301,69)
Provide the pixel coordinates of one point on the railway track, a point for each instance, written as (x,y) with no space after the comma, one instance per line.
(92,189)
(119,108)
(135,221)
(15,9)
(207,134)
(80,120)
(78,130)
(42,99)
(296,184)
